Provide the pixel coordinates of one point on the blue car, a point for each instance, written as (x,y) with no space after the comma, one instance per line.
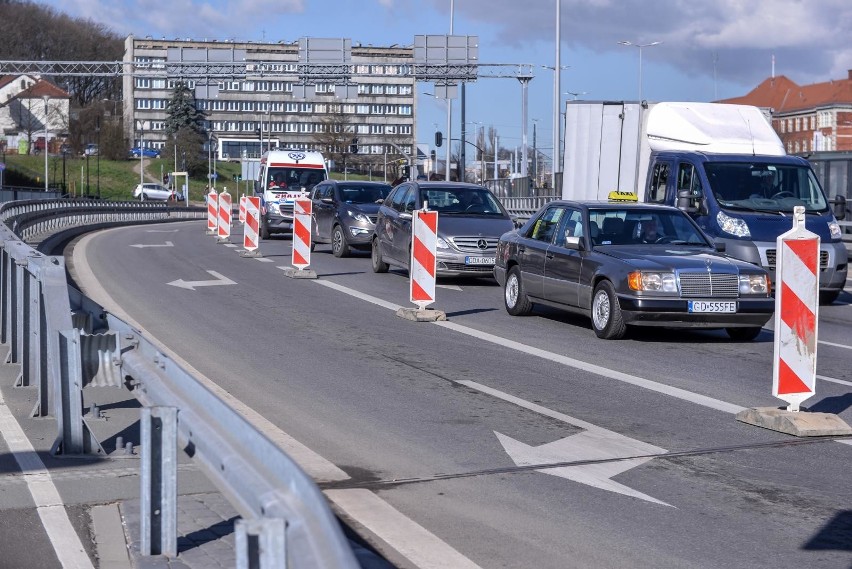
(135,152)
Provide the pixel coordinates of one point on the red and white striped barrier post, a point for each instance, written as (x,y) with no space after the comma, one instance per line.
(243,208)
(224,231)
(251,229)
(302,208)
(794,361)
(212,212)
(422,264)
(796,310)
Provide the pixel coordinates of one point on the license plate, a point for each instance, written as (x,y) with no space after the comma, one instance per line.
(712,306)
(479,260)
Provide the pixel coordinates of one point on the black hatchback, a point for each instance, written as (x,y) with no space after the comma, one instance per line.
(344,214)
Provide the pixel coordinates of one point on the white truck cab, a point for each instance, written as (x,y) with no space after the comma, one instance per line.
(285,175)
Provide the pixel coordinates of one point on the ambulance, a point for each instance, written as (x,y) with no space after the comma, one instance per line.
(283,176)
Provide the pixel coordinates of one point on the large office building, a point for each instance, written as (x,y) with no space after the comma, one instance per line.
(268,106)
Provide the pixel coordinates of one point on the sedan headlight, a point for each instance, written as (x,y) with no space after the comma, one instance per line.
(441,244)
(834,229)
(357,216)
(754,284)
(732,225)
(657,282)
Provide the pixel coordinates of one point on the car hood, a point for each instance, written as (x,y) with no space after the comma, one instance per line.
(368,208)
(452,225)
(660,257)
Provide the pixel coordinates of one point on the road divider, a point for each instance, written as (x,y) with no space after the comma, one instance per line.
(212,212)
(251,226)
(422,265)
(301,254)
(224,225)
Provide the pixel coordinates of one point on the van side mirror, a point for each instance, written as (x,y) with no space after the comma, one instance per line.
(687,201)
(839,204)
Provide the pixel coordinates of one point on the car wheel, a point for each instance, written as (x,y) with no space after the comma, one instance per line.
(744,334)
(313,245)
(145,197)
(264,230)
(828,296)
(339,246)
(515,297)
(379,266)
(607,320)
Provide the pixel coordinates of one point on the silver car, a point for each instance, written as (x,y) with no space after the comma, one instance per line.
(470,223)
(154,192)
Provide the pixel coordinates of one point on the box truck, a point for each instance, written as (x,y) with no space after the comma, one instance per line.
(723,164)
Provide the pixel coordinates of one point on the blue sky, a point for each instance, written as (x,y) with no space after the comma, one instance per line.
(709,50)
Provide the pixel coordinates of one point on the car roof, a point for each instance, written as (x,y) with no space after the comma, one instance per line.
(357,183)
(613,205)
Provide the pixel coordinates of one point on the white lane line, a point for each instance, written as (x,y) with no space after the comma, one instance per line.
(413,541)
(704,400)
(834,380)
(66,543)
(264,260)
(844,346)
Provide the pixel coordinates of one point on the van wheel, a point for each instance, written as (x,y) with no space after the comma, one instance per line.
(379,266)
(607,319)
(339,246)
(514,296)
(744,334)
(264,230)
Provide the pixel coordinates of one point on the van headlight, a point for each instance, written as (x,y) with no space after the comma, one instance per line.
(754,284)
(732,225)
(834,230)
(656,282)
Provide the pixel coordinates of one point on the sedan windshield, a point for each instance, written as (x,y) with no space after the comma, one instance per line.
(641,226)
(462,201)
(364,193)
(765,187)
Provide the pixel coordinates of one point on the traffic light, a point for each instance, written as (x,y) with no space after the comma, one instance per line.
(433,155)
(353,148)
(439,138)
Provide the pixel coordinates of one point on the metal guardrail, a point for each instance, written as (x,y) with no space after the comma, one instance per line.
(64,341)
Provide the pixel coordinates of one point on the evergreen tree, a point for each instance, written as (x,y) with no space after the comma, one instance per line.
(181,112)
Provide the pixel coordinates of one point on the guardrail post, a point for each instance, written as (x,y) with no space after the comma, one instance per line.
(75,437)
(261,543)
(158,508)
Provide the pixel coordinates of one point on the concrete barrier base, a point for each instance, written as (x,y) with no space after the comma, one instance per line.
(798,423)
(424,315)
(294,273)
(253,254)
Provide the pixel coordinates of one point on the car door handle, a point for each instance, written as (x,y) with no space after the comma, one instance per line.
(549,255)
(521,249)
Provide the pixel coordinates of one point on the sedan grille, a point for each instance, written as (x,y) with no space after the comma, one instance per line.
(461,267)
(771,254)
(709,285)
(475,244)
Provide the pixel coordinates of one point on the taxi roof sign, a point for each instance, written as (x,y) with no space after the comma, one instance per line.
(617,196)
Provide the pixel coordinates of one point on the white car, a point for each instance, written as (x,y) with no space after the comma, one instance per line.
(153,191)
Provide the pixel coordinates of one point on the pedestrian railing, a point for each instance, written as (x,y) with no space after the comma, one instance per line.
(63,341)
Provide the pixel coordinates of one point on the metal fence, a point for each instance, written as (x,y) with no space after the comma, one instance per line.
(63,341)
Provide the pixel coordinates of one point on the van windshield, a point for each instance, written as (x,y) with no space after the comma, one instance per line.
(293,178)
(765,187)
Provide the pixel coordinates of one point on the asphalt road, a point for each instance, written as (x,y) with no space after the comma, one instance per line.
(638,459)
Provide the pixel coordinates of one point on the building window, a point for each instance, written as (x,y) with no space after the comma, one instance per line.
(233,105)
(143,83)
(405,110)
(377,129)
(404,129)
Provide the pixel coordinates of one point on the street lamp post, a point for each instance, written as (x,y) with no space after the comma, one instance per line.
(640,46)
(46,133)
(141,160)
(210,158)
(98,142)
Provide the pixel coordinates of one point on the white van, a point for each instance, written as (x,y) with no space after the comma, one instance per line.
(285,175)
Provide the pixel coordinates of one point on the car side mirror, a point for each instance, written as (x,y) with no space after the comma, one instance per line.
(574,243)
(327,200)
(839,203)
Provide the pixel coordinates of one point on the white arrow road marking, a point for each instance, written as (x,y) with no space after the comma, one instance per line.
(161,231)
(594,443)
(588,445)
(192,285)
(143,245)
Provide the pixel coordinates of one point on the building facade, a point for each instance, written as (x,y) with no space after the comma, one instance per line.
(265,109)
(33,112)
(807,118)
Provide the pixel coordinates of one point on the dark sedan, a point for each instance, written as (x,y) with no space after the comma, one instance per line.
(344,214)
(630,264)
(470,222)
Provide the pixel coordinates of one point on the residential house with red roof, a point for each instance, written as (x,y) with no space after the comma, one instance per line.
(32,111)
